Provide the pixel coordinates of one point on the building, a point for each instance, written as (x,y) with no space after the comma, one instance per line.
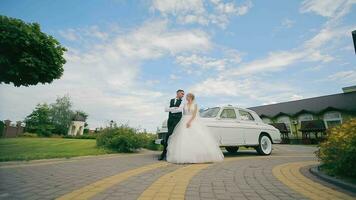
(77,125)
(304,114)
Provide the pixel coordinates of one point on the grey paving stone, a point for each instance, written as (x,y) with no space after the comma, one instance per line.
(241,179)
(54,180)
(245,179)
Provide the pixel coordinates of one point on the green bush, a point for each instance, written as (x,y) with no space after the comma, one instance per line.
(80,136)
(338,152)
(149,141)
(30,135)
(119,139)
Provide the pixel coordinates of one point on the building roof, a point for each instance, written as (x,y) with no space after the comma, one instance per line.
(342,101)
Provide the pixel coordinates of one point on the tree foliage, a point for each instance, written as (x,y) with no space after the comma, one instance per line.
(39,121)
(27,55)
(62,114)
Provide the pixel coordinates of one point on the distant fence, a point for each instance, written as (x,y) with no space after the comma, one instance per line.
(9,129)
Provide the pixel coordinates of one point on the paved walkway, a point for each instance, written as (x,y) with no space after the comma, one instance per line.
(244,175)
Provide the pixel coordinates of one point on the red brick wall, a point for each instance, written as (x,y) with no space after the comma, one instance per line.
(11,130)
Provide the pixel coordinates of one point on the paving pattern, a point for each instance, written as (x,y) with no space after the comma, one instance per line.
(243,175)
(291,176)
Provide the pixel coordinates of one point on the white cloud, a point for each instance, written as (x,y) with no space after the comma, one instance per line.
(178,7)
(83,33)
(69,34)
(174,77)
(327,8)
(238,81)
(199,64)
(312,50)
(325,35)
(232,8)
(247,91)
(274,61)
(287,23)
(198,11)
(347,77)
(296,97)
(103,79)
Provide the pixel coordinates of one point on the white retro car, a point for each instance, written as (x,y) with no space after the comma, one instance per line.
(234,127)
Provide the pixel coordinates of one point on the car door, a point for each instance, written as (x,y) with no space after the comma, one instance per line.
(226,128)
(249,127)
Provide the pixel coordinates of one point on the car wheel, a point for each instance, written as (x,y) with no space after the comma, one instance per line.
(265,145)
(232,149)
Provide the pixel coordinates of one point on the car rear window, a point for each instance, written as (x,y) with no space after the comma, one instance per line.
(228,114)
(246,116)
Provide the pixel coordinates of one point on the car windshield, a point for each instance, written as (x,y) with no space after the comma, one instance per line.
(210,112)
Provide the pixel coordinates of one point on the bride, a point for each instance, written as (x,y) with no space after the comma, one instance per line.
(191,141)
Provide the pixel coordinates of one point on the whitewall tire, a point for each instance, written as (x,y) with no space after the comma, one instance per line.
(265,145)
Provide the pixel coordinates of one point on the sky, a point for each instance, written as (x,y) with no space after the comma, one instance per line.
(126,58)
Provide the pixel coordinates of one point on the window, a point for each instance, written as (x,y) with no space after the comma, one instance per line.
(266,120)
(228,114)
(286,121)
(210,112)
(332,118)
(305,117)
(246,116)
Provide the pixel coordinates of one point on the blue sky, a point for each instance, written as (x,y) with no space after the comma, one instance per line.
(126,59)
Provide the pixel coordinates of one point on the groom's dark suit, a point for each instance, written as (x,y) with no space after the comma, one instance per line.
(173,119)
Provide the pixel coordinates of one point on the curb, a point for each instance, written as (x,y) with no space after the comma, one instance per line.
(342,184)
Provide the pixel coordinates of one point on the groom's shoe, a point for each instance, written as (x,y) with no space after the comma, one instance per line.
(161,158)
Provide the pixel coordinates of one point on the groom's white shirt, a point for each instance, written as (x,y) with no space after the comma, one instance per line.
(175,109)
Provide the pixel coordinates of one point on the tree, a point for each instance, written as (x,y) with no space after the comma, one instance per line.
(82,113)
(39,121)
(2,126)
(27,55)
(62,114)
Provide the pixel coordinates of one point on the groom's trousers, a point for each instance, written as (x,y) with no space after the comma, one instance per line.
(171,124)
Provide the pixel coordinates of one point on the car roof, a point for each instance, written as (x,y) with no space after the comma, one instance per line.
(236,107)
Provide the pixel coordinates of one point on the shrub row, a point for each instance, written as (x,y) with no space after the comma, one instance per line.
(91,136)
(125,139)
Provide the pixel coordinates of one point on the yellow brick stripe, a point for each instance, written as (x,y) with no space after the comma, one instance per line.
(92,189)
(172,185)
(290,175)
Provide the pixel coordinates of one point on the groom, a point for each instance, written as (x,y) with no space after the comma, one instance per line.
(175,110)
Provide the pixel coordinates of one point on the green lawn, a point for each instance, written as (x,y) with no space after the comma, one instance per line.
(41,148)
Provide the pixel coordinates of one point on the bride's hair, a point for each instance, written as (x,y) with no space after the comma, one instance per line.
(191,95)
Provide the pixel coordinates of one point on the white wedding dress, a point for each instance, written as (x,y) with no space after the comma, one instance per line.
(194,144)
